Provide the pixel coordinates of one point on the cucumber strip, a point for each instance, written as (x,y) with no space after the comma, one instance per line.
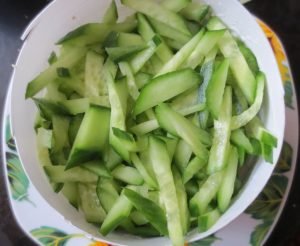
(146,31)
(152,212)
(227,186)
(181,81)
(191,187)
(131,83)
(53,92)
(94,33)
(107,193)
(57,174)
(116,215)
(94,84)
(182,201)
(206,72)
(215,88)
(118,54)
(243,118)
(155,63)
(48,108)
(98,168)
(60,127)
(130,39)
(167,31)
(180,57)
(162,167)
(205,45)
(126,139)
(43,143)
(267,138)
(207,192)
(238,64)
(195,11)
(267,152)
(250,58)
(175,44)
(256,146)
(75,106)
(118,101)
(138,218)
(90,205)
(193,167)
(145,127)
(175,5)
(91,137)
(74,127)
(242,155)
(220,146)
(128,175)
(185,100)
(156,11)
(70,191)
(145,231)
(150,181)
(50,74)
(192,109)
(207,220)
(111,14)
(142,79)
(239,138)
(139,60)
(179,126)
(171,144)
(111,158)
(193,27)
(182,155)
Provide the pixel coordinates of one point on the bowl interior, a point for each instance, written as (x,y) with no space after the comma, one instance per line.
(60,17)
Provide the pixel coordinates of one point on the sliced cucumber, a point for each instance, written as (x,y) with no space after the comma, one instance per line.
(128,175)
(207,220)
(111,14)
(70,191)
(98,168)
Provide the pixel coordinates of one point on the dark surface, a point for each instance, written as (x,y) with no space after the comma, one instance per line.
(282,15)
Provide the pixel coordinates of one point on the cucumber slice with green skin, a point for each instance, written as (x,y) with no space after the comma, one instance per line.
(50,74)
(126,139)
(152,212)
(42,146)
(156,11)
(207,220)
(91,138)
(238,64)
(48,108)
(192,168)
(195,11)
(193,27)
(75,106)
(138,218)
(128,175)
(227,186)
(116,215)
(107,193)
(267,152)
(129,39)
(139,60)
(130,79)
(118,101)
(118,54)
(215,89)
(176,5)
(205,45)
(171,144)
(45,137)
(57,174)
(182,156)
(220,146)
(167,31)
(180,57)
(111,158)
(175,45)
(111,14)
(185,100)
(162,167)
(70,191)
(245,117)
(250,58)
(179,126)
(206,72)
(60,133)
(149,180)
(207,192)
(239,138)
(181,81)
(182,201)
(242,155)
(93,82)
(98,168)
(146,31)
(145,127)
(90,205)
(94,33)
(74,127)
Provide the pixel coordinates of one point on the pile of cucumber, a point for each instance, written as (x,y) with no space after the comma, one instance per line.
(144,124)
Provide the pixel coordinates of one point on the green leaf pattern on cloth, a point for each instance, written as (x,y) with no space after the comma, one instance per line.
(49,236)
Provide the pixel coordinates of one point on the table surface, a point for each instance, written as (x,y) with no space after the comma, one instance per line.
(282,15)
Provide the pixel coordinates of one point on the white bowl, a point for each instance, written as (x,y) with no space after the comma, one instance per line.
(62,16)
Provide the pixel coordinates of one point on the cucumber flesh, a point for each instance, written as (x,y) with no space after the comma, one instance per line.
(111,14)
(128,175)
